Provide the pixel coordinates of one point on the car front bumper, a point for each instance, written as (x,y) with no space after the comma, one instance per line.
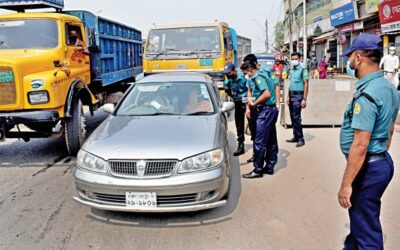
(179,193)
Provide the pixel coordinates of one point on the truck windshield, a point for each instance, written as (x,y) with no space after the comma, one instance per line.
(196,40)
(28,34)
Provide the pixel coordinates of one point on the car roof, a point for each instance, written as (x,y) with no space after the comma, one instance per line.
(177,77)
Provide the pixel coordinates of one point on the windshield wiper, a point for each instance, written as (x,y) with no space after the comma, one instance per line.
(165,51)
(158,114)
(199,113)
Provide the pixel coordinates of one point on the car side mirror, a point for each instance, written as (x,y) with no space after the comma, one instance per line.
(227,107)
(108,108)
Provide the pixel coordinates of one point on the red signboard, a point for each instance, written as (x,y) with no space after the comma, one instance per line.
(389,14)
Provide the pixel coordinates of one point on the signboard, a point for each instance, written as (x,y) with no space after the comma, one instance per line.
(345,14)
(372,6)
(352,27)
(31,4)
(389,14)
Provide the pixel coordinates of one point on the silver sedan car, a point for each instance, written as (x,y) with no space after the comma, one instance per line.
(164,148)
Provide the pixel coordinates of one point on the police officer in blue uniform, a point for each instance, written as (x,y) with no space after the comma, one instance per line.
(270,75)
(365,139)
(236,87)
(297,98)
(261,96)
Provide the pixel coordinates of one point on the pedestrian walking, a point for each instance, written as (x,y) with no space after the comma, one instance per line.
(271,78)
(323,69)
(297,98)
(314,68)
(390,66)
(365,139)
(236,87)
(262,97)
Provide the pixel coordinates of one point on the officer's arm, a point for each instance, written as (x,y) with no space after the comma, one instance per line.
(263,98)
(227,87)
(306,83)
(355,161)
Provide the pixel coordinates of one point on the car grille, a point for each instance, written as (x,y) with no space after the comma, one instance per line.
(8,92)
(153,169)
(168,200)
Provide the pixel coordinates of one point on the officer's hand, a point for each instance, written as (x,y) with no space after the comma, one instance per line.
(252,104)
(248,113)
(344,196)
(304,104)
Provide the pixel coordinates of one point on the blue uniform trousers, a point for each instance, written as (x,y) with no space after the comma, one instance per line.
(368,188)
(295,115)
(265,139)
(240,111)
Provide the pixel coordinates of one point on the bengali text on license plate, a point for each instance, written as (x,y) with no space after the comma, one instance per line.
(134,199)
(6,76)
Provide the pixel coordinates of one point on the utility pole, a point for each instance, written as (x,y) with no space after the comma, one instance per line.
(290,27)
(266,37)
(305,45)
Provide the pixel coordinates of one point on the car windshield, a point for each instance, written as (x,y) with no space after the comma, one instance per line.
(203,39)
(266,63)
(182,98)
(28,34)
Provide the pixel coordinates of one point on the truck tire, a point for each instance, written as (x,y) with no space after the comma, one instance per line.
(75,128)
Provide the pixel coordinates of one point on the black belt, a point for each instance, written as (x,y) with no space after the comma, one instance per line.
(376,157)
(296,92)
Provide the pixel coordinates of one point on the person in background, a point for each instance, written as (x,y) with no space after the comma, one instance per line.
(297,98)
(322,69)
(314,68)
(278,69)
(235,86)
(390,66)
(365,139)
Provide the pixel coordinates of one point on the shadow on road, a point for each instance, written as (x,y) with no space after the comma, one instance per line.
(175,220)
(42,152)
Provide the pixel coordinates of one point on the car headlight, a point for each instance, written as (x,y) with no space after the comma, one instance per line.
(38,97)
(91,162)
(202,162)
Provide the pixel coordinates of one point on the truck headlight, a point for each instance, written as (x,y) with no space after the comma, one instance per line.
(38,97)
(91,162)
(202,162)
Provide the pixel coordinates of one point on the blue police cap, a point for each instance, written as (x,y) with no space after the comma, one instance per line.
(365,42)
(228,68)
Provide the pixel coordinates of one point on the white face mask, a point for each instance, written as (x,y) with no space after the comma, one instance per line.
(247,77)
(295,62)
(392,52)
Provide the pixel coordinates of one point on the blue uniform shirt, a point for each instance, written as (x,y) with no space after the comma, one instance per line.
(237,88)
(270,74)
(258,84)
(375,117)
(297,77)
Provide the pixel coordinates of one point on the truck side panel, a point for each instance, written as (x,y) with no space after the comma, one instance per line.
(116,49)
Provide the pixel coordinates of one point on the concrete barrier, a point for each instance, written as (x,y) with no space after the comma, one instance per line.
(326,102)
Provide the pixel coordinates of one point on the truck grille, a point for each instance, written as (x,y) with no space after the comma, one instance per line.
(167,200)
(8,93)
(142,169)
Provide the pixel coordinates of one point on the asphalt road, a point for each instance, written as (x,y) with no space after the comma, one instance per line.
(294,209)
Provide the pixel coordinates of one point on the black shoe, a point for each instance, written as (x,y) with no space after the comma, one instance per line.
(293,140)
(300,144)
(240,150)
(268,171)
(251,159)
(253,175)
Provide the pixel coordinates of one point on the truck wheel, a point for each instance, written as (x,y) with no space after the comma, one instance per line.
(75,128)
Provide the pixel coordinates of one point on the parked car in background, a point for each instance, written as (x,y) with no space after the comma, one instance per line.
(164,148)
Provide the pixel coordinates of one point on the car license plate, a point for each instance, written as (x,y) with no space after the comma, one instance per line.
(140,200)
(6,77)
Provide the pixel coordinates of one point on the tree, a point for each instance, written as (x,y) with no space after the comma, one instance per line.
(279,34)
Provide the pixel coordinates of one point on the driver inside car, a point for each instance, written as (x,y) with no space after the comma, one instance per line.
(194,105)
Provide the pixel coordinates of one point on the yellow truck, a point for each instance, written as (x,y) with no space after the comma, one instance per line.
(53,64)
(201,47)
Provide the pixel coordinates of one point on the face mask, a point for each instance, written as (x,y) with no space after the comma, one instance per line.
(247,77)
(295,63)
(351,72)
(392,52)
(233,77)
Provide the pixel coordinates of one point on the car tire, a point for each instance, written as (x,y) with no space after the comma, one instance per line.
(75,128)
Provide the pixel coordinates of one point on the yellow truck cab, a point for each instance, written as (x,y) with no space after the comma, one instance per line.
(201,47)
(51,64)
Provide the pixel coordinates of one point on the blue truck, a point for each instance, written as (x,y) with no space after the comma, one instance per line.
(53,63)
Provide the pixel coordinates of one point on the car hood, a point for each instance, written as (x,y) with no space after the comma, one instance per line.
(159,137)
